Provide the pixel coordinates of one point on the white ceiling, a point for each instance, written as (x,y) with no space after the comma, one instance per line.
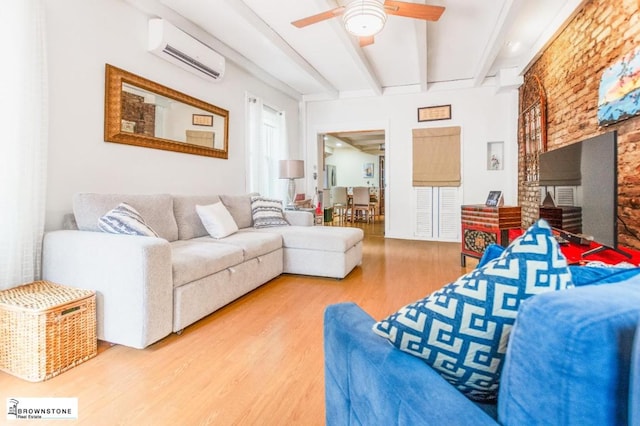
(470,44)
(367,141)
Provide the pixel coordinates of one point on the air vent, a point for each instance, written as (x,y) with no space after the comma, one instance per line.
(565,195)
(170,50)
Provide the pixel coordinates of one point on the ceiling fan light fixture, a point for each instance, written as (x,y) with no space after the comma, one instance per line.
(364,18)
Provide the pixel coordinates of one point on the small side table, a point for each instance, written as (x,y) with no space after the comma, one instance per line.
(483,225)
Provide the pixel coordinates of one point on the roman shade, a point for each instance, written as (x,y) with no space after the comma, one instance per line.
(436,156)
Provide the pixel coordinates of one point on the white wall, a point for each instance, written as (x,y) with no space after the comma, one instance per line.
(483,116)
(349,164)
(82,37)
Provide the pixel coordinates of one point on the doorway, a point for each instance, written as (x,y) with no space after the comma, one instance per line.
(355,158)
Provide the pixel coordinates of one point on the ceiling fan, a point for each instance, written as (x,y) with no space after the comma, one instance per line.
(365,18)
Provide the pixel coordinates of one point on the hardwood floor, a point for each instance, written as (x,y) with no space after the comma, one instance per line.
(257,361)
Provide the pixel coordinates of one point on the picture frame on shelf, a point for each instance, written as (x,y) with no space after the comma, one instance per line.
(494,199)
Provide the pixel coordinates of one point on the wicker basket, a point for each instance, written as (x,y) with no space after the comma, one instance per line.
(45,329)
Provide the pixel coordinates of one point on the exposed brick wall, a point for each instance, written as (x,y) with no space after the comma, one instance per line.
(570,70)
(143,114)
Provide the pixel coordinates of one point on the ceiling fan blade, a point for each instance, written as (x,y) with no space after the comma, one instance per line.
(413,10)
(365,40)
(313,19)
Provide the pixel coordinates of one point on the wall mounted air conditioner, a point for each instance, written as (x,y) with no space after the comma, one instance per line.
(179,48)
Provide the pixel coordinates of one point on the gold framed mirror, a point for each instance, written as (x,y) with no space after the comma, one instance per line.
(140,112)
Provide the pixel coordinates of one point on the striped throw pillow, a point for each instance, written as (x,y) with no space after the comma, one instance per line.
(267,212)
(124,219)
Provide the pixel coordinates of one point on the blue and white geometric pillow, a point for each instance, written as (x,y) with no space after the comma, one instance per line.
(462,330)
(267,212)
(124,219)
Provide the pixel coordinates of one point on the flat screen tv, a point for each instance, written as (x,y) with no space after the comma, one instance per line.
(588,169)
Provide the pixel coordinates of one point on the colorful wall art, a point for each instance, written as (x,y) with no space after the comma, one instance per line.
(619,93)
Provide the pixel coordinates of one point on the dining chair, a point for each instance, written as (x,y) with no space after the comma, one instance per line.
(361,199)
(340,202)
(374,203)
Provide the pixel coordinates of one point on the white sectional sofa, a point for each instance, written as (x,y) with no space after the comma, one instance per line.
(148,287)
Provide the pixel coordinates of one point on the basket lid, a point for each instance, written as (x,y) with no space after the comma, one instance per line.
(41,295)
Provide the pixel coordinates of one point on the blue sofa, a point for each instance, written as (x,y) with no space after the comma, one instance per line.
(573,359)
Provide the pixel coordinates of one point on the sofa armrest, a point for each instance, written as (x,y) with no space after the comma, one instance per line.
(131,275)
(298,217)
(569,357)
(370,382)
(634,385)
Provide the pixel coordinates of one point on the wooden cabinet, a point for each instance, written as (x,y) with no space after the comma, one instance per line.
(567,218)
(482,225)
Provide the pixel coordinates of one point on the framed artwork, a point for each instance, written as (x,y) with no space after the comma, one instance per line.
(619,92)
(367,170)
(202,120)
(128,126)
(495,155)
(434,113)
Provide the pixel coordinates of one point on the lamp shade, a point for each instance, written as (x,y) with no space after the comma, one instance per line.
(291,169)
(364,18)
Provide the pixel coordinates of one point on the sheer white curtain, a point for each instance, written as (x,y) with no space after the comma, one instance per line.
(266,145)
(255,135)
(23,146)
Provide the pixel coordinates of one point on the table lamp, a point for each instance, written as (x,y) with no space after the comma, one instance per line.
(291,169)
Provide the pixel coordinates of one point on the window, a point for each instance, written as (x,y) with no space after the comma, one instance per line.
(266,145)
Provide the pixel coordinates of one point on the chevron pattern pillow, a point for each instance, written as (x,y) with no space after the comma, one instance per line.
(462,330)
(267,212)
(124,219)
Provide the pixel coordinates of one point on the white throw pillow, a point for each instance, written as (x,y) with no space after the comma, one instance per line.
(217,220)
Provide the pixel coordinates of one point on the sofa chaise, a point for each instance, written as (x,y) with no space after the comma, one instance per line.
(148,287)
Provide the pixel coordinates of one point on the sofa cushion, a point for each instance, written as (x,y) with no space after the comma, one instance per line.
(124,219)
(491,252)
(193,260)
(187,219)
(569,357)
(593,273)
(253,244)
(323,238)
(462,329)
(240,208)
(598,275)
(217,220)
(634,381)
(267,212)
(157,211)
(369,382)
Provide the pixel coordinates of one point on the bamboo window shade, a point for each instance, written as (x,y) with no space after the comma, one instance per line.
(436,156)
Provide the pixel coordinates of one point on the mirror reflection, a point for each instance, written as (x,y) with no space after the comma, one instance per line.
(141,112)
(154,115)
